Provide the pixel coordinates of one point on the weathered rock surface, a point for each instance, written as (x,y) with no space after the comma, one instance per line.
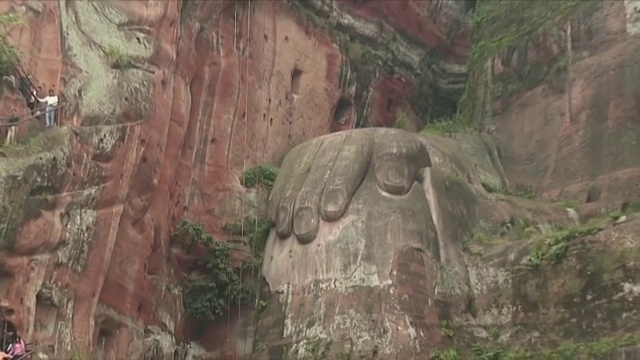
(379,254)
(424,253)
(582,118)
(209,89)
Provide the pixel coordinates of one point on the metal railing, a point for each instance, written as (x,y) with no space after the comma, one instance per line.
(30,116)
(23,76)
(27,88)
(38,115)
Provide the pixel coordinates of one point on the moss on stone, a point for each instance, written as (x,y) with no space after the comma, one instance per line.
(602,348)
(554,247)
(33,144)
(378,48)
(502,25)
(91,30)
(37,162)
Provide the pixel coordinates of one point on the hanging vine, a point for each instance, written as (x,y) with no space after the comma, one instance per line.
(215,280)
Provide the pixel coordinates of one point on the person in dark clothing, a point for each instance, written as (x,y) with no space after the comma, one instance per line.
(13,126)
(32,103)
(39,107)
(23,87)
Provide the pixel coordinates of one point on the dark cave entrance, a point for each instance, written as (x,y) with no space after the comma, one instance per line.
(296,75)
(343,110)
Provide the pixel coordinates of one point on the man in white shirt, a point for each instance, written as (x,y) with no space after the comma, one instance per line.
(50,111)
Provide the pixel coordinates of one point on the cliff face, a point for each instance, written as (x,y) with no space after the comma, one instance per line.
(168,102)
(520,250)
(562,101)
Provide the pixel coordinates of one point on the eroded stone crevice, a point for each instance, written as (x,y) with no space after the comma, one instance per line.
(370,44)
(46,314)
(296,77)
(107,331)
(343,111)
(183,161)
(6,278)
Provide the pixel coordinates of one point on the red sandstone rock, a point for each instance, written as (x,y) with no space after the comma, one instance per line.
(277,82)
(580,140)
(183,160)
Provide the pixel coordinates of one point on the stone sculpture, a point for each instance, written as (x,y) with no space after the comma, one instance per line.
(348,208)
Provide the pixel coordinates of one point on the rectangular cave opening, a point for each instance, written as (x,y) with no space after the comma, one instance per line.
(106,333)
(296,75)
(46,314)
(344,107)
(389,106)
(5,280)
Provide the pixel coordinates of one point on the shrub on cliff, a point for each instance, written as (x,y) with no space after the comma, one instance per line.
(255,229)
(402,119)
(118,58)
(449,354)
(264,175)
(446,127)
(9,55)
(216,285)
(77,355)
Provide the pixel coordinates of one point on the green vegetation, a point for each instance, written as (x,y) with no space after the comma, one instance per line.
(527,192)
(369,56)
(402,119)
(7,237)
(551,246)
(323,348)
(626,209)
(118,58)
(599,349)
(568,204)
(603,348)
(500,25)
(492,188)
(77,355)
(261,175)
(317,349)
(516,229)
(446,127)
(554,248)
(449,354)
(345,354)
(209,292)
(9,55)
(257,232)
(488,352)
(447,329)
(35,142)
(43,192)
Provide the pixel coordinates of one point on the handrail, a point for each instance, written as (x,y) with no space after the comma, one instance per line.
(17,66)
(59,106)
(23,74)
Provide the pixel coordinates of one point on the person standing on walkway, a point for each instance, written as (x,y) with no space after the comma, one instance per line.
(51,102)
(13,126)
